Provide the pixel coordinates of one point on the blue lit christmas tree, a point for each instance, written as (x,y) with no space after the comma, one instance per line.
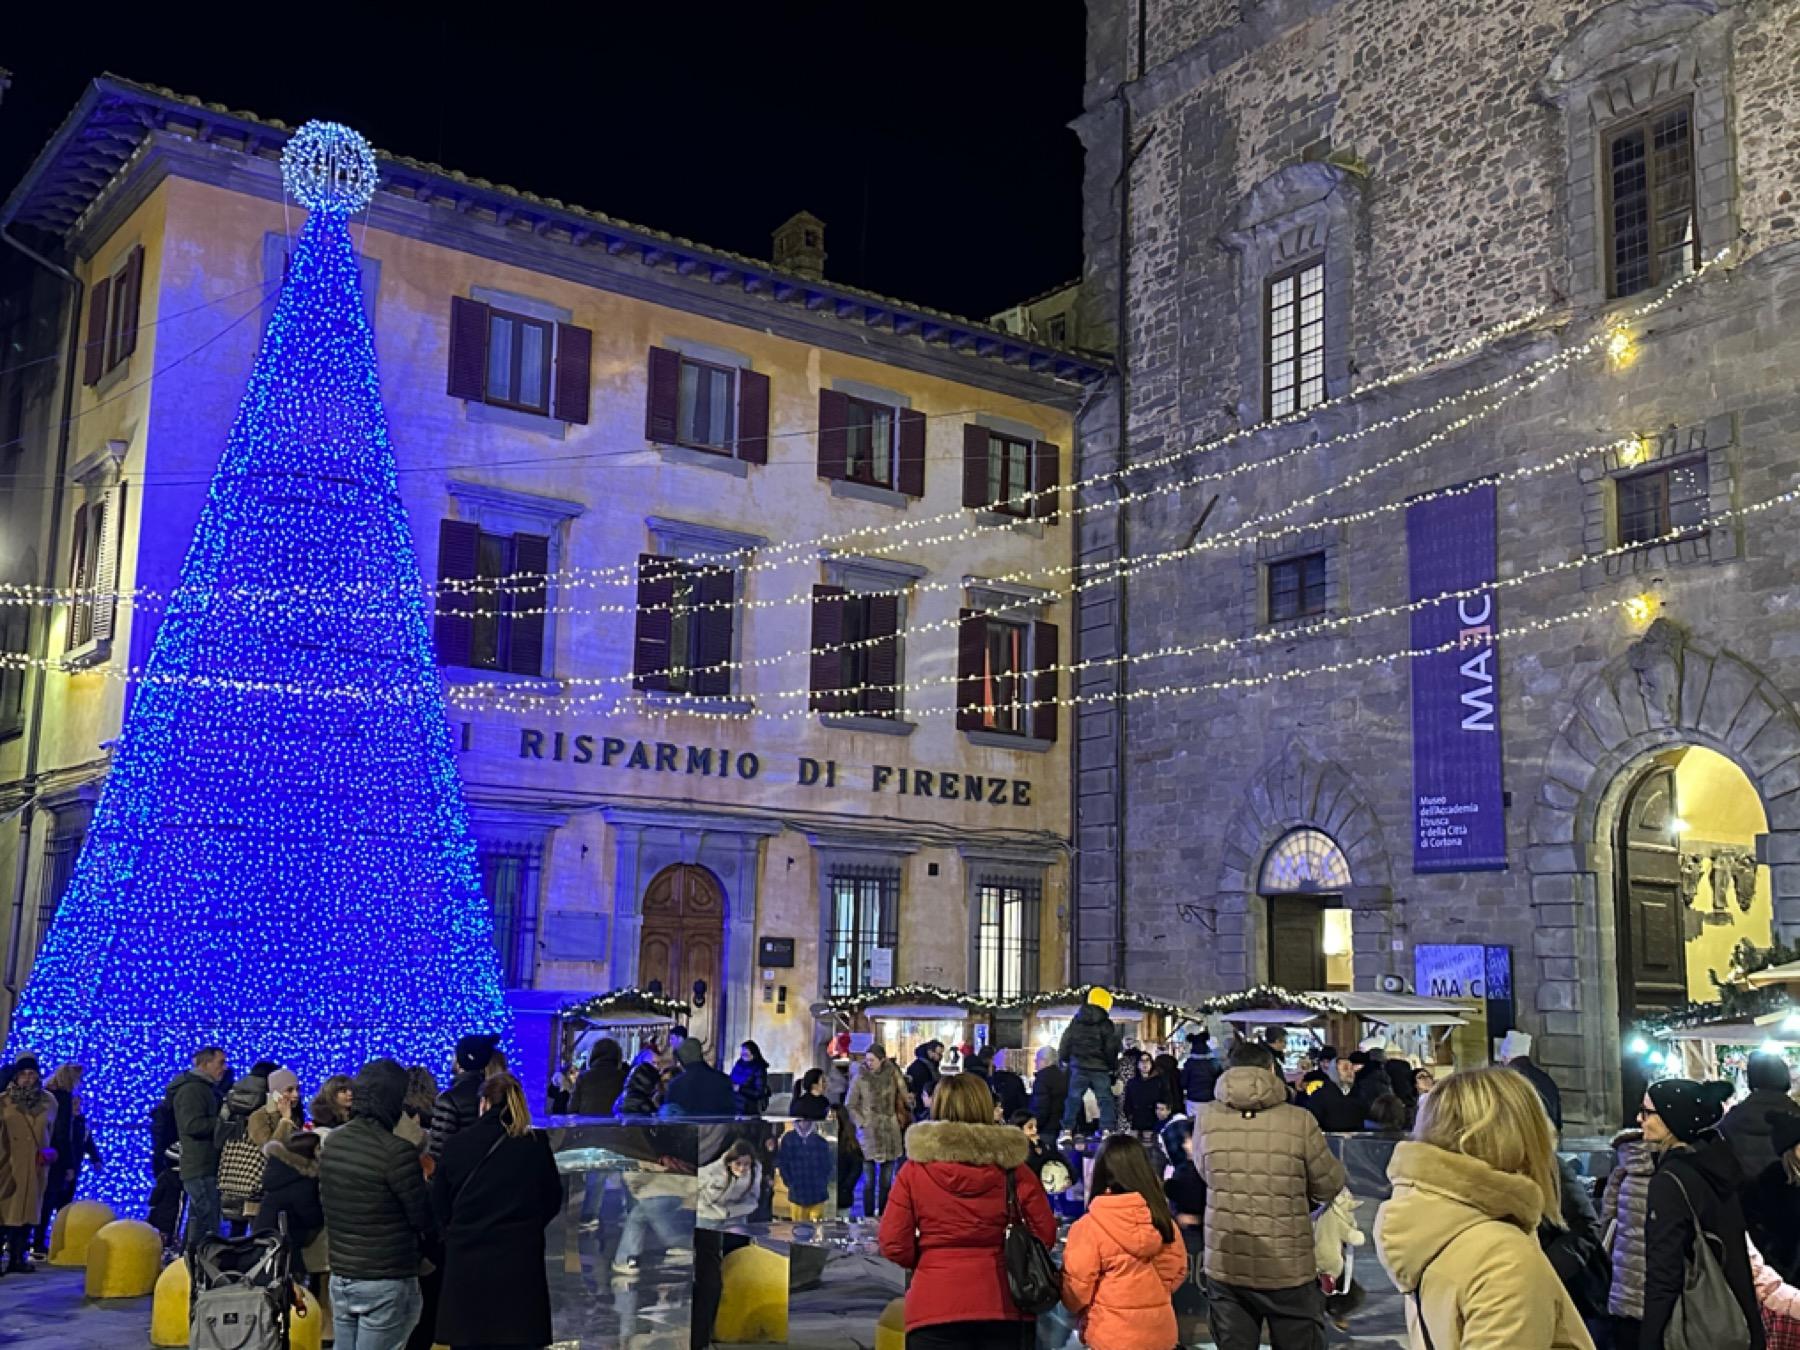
(280,861)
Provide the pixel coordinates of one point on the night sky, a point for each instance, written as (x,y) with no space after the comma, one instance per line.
(931,138)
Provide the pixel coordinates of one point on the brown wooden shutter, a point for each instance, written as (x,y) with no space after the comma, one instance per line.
(910,469)
(827,650)
(662,405)
(717,596)
(753,417)
(459,552)
(128,304)
(834,434)
(1045,645)
(111,524)
(975,466)
(574,355)
(525,640)
(468,348)
(1046,477)
(883,696)
(655,621)
(82,609)
(971,653)
(94,363)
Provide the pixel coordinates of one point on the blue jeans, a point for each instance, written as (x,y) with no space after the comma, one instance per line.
(1080,1080)
(374,1314)
(203,1209)
(663,1213)
(878,1180)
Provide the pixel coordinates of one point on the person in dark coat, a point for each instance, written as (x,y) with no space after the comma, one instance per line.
(1143,1094)
(459,1104)
(643,1085)
(1748,1125)
(494,1193)
(372,1187)
(750,1080)
(1090,1047)
(1772,1200)
(1574,1249)
(1696,1185)
(1515,1053)
(1199,1071)
(1049,1092)
(922,1076)
(73,1142)
(1329,1104)
(1008,1087)
(700,1089)
(602,1081)
(291,1191)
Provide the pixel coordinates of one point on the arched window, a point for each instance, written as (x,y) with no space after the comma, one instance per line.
(1305,862)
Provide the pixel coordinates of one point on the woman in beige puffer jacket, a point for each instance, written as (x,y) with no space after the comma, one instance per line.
(1459,1236)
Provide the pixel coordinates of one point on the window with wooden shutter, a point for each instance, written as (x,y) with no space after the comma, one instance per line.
(975,466)
(519,352)
(459,547)
(881,669)
(468,348)
(706,413)
(1046,474)
(574,356)
(128,290)
(1045,645)
(834,434)
(657,578)
(911,473)
(81,573)
(971,656)
(106,562)
(753,417)
(662,404)
(527,600)
(94,353)
(716,595)
(827,660)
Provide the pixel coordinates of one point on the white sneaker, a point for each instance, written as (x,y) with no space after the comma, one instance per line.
(628,1269)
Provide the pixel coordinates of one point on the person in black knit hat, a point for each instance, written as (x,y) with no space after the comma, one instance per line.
(1695,1187)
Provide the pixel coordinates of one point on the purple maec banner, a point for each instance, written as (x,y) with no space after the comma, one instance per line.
(1459,819)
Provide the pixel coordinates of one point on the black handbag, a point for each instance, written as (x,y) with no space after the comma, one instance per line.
(1031,1274)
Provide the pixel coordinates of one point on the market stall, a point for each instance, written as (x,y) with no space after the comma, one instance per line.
(1039,1020)
(906,1016)
(632,1017)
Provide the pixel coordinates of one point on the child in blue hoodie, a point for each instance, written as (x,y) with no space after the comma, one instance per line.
(807,1169)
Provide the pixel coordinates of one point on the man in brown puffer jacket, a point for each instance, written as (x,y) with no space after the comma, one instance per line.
(1266,1166)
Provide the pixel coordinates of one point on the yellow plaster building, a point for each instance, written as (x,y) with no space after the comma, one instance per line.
(727,555)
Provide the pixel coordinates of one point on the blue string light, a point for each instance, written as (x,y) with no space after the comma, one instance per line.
(287,874)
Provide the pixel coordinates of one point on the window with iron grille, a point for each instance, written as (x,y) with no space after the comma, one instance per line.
(509,879)
(1652,237)
(1661,501)
(1296,588)
(1294,350)
(60,853)
(1006,937)
(865,915)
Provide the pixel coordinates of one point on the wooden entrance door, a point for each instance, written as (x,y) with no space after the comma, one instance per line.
(1297,942)
(683,940)
(1652,936)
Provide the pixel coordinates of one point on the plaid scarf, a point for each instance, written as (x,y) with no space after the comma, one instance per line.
(28,1099)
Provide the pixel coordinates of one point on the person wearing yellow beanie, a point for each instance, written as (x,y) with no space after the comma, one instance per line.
(1090,1047)
(1100,999)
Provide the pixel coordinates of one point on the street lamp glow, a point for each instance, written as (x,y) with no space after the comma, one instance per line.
(1639,1045)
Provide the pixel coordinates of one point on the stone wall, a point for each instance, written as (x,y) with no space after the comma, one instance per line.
(1450,157)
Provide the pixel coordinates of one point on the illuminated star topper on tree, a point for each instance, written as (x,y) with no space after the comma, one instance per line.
(280,862)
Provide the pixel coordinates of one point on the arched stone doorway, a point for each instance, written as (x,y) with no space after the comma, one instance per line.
(1298,791)
(683,938)
(1303,881)
(1665,695)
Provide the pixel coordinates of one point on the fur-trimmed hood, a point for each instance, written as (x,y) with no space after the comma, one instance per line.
(306,1164)
(948,1141)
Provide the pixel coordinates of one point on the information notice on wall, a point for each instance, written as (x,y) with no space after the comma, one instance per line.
(1459,820)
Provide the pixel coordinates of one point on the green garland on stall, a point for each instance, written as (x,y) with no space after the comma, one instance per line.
(851,1004)
(627,1000)
(1077,994)
(1268,996)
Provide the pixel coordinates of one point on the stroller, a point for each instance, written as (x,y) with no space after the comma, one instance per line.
(241,1292)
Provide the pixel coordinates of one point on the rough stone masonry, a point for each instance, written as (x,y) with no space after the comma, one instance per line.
(1443,159)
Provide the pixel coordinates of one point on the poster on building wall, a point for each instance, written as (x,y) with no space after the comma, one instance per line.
(1459,822)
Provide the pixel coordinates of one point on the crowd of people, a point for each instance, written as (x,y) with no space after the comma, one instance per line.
(418,1212)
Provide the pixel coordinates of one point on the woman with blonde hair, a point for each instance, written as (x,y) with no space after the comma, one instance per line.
(495,1191)
(946,1221)
(1459,1237)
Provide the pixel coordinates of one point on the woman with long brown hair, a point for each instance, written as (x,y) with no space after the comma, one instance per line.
(946,1221)
(495,1191)
(1123,1259)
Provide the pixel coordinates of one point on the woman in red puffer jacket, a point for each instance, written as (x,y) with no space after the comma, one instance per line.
(946,1222)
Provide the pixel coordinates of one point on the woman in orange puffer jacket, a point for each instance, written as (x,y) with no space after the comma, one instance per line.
(1123,1259)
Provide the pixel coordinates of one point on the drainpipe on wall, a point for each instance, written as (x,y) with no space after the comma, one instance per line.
(40,645)
(1121,359)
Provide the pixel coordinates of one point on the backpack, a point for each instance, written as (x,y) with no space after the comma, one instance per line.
(1707,1315)
(246,1097)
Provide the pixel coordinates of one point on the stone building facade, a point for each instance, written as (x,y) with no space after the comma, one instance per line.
(717,738)
(1425,170)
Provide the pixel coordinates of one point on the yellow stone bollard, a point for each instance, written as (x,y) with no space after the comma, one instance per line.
(754,1306)
(74,1228)
(890,1327)
(169,1308)
(123,1260)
